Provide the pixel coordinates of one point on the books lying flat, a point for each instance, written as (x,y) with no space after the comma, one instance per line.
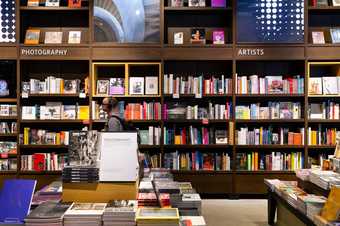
(84,214)
(194,220)
(48,213)
(122,212)
(157,216)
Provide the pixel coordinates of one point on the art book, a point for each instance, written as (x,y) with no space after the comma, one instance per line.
(32,37)
(178,38)
(103,87)
(330,85)
(275,84)
(335,34)
(151,85)
(117,86)
(177,3)
(74,37)
(197,36)
(318,37)
(218,3)
(136,86)
(53,37)
(315,86)
(218,37)
(74,3)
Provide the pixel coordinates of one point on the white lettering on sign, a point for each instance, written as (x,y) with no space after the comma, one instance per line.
(250,52)
(43,52)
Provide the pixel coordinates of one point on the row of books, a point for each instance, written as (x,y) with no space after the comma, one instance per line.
(264,136)
(324,110)
(213,111)
(8,164)
(152,136)
(55,111)
(273,110)
(43,162)
(8,127)
(201,35)
(196,85)
(53,3)
(195,136)
(275,161)
(137,86)
(197,161)
(324,85)
(318,37)
(315,3)
(326,136)
(8,110)
(152,160)
(269,85)
(52,85)
(197,3)
(40,136)
(144,111)
(7,147)
(33,36)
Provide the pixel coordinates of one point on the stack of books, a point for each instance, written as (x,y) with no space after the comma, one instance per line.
(48,213)
(265,136)
(167,186)
(191,205)
(43,162)
(80,174)
(84,214)
(269,85)
(274,110)
(192,220)
(197,161)
(310,204)
(324,179)
(196,85)
(164,200)
(8,127)
(145,186)
(147,199)
(275,161)
(157,216)
(122,212)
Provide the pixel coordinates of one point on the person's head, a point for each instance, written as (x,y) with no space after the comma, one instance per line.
(110,104)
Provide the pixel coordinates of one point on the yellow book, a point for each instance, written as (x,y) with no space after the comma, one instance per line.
(261,131)
(314,137)
(26,135)
(178,139)
(253,161)
(62,84)
(331,209)
(58,139)
(231,133)
(256,161)
(83,112)
(292,159)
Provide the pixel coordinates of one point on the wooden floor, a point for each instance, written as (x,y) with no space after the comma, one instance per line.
(241,212)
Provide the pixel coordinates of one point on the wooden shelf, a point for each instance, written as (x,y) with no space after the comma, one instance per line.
(9,135)
(146,146)
(6,172)
(323,8)
(57,121)
(270,121)
(323,121)
(322,96)
(53,95)
(201,172)
(131,121)
(128,97)
(197,121)
(321,146)
(267,96)
(8,100)
(198,8)
(270,146)
(203,96)
(8,117)
(43,146)
(265,172)
(196,146)
(46,8)
(40,172)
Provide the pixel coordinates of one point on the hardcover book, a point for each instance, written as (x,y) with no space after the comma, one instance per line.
(315,86)
(221,136)
(179,38)
(52,3)
(330,85)
(74,3)
(322,2)
(136,86)
(69,112)
(103,87)
(218,37)
(71,86)
(74,37)
(32,37)
(151,85)
(335,35)
(53,37)
(218,3)
(197,36)
(318,37)
(275,84)
(117,86)
(196,3)
(177,3)
(33,3)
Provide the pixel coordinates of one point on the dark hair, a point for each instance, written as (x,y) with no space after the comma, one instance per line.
(113,102)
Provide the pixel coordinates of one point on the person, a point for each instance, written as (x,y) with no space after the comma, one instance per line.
(114,122)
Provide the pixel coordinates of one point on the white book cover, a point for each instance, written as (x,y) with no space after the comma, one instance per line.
(74,37)
(28,112)
(254,84)
(195,220)
(136,85)
(171,84)
(315,86)
(151,85)
(166,84)
(52,3)
(330,85)
(151,135)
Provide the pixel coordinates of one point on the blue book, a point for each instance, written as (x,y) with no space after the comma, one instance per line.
(17,194)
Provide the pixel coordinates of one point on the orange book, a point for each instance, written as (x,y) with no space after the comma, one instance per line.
(297,138)
(256,161)
(74,3)
(32,37)
(290,138)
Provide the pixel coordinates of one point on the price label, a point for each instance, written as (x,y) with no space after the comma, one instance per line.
(175,96)
(198,95)
(205,121)
(82,95)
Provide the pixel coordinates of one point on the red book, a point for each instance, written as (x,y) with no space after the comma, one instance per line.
(39,162)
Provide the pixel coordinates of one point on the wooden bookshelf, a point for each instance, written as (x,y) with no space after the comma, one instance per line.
(43,146)
(85,57)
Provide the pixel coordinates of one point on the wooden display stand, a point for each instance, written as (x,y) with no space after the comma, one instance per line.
(99,192)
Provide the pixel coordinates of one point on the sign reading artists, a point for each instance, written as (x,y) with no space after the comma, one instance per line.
(250,52)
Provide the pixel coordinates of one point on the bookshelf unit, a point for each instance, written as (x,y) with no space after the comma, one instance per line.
(80,60)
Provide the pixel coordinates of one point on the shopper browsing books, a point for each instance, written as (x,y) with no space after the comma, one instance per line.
(114,122)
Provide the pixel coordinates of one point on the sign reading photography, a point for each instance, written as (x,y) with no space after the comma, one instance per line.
(43,52)
(54,52)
